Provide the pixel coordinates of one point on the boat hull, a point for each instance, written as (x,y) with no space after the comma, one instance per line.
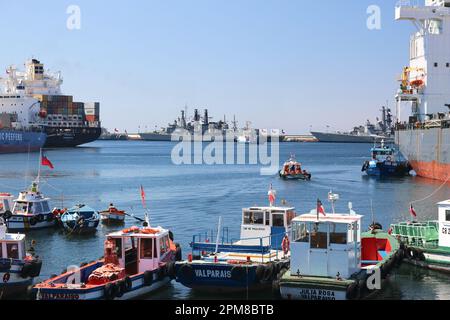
(346,138)
(20,223)
(428,151)
(62,137)
(437,259)
(12,141)
(224,277)
(295,176)
(138,287)
(388,170)
(87,227)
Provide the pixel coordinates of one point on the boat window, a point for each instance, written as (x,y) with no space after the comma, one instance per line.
(21,207)
(278,220)
(37,207)
(319,236)
(6,205)
(447,215)
(1,250)
(30,207)
(163,246)
(12,251)
(118,247)
(146,248)
(254,217)
(267,218)
(45,207)
(300,232)
(155,249)
(338,233)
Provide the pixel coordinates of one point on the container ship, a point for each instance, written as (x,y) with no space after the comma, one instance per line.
(423,116)
(65,122)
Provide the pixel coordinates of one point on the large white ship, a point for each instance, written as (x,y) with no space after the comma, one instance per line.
(423,100)
(66,123)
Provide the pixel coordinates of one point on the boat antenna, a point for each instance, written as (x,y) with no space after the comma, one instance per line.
(146,218)
(371,210)
(333,197)
(219,226)
(39,166)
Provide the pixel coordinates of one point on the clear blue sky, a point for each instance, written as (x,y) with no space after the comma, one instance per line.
(281,64)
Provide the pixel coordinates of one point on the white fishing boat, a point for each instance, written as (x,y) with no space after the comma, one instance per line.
(17,267)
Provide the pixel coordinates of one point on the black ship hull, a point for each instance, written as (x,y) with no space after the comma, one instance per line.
(63,137)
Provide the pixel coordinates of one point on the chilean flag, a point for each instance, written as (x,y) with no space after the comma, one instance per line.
(271,195)
(46,162)
(143,196)
(320,208)
(412,211)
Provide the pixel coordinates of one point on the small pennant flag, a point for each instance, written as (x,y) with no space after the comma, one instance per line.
(143,195)
(272,195)
(412,211)
(46,162)
(320,208)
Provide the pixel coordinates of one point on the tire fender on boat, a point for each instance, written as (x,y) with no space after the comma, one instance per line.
(33,221)
(128,283)
(352,291)
(170,270)
(260,270)
(7,215)
(178,253)
(269,272)
(237,273)
(161,273)
(110,291)
(148,278)
(409,253)
(186,271)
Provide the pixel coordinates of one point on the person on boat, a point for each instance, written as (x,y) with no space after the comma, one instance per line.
(112,208)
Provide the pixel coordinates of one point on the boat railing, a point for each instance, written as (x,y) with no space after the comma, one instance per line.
(207,243)
(417,234)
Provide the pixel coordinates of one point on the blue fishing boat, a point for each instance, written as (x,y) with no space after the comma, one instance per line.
(80,219)
(386,162)
(219,264)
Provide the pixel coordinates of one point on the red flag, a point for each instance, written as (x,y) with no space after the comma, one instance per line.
(412,211)
(271,195)
(320,208)
(143,195)
(46,162)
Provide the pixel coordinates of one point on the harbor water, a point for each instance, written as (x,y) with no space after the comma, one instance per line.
(190,199)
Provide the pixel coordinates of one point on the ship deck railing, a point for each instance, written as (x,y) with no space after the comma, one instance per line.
(207,243)
(417,234)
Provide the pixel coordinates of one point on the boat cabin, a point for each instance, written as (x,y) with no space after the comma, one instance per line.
(269,223)
(326,246)
(444,223)
(383,153)
(6,202)
(12,246)
(31,202)
(138,249)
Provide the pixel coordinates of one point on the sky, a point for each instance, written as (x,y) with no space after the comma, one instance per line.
(287,64)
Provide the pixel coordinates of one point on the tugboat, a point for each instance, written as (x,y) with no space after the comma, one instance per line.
(385,164)
(427,244)
(80,219)
(137,261)
(17,267)
(252,263)
(31,210)
(332,260)
(292,170)
(113,215)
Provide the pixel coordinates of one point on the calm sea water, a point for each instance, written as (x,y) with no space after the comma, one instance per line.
(190,199)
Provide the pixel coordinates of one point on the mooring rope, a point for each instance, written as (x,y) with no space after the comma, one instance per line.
(433,193)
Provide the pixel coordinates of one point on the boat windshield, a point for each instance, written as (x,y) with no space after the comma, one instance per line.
(300,232)
(22,207)
(253,217)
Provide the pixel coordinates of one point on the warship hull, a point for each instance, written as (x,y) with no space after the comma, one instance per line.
(347,138)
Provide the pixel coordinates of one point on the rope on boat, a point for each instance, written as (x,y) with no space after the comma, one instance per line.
(433,193)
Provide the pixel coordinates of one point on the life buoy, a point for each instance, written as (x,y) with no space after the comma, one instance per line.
(6,277)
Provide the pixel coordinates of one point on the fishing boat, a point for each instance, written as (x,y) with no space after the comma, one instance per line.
(427,244)
(292,170)
(18,268)
(31,210)
(219,264)
(332,260)
(137,261)
(112,215)
(80,219)
(385,163)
